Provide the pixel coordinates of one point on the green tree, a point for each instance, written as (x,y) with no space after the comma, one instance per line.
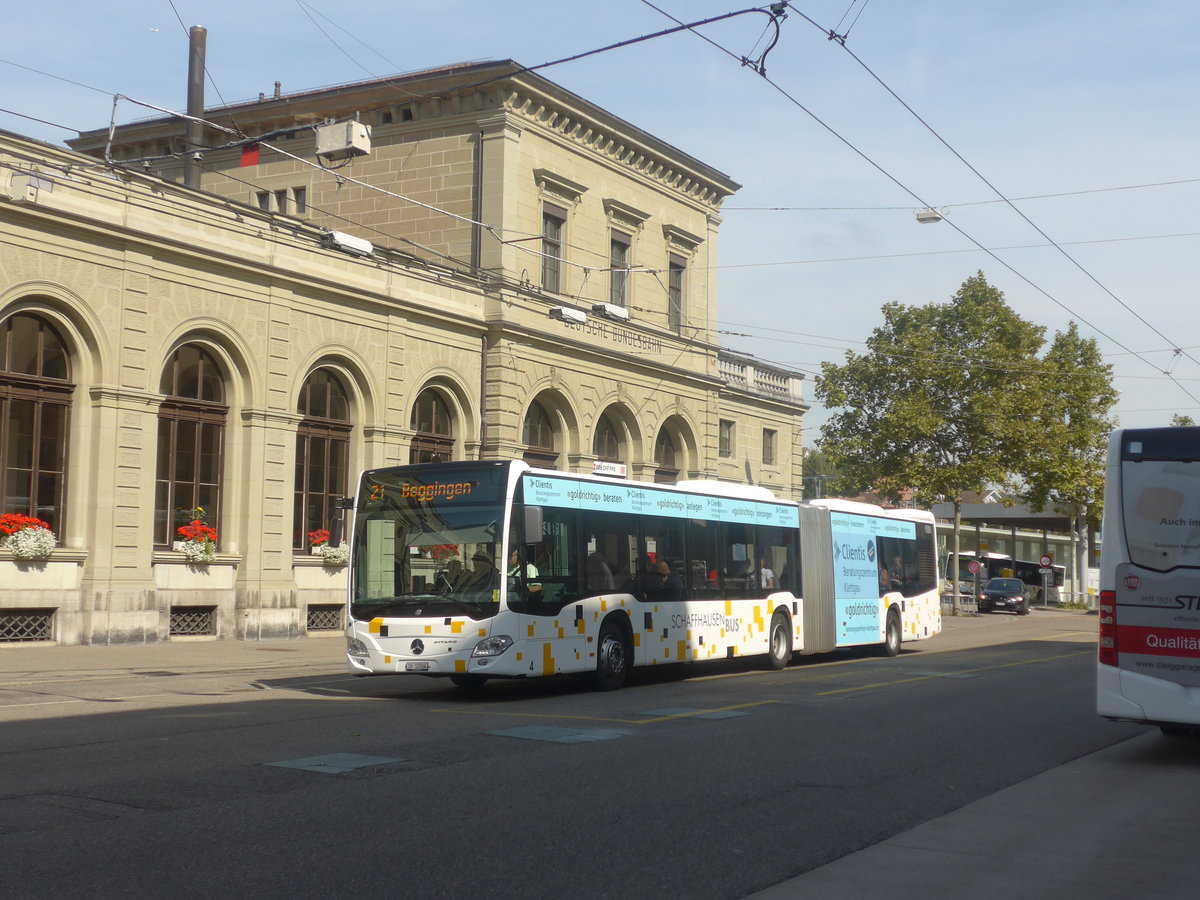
(1069,435)
(1181,421)
(938,402)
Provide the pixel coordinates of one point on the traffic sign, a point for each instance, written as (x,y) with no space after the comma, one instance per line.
(974,567)
(1047,560)
(1046,570)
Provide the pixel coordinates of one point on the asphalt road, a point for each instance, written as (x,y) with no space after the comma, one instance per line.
(197,769)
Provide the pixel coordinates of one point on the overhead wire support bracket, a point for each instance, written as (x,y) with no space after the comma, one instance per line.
(777,14)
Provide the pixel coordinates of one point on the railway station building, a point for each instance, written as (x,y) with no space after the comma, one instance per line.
(465,263)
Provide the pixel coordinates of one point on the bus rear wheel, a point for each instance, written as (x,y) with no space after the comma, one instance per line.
(614,656)
(892,634)
(779,651)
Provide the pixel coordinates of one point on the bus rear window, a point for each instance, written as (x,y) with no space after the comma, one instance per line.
(1160,501)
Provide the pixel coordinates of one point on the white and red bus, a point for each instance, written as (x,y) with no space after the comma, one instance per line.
(1149,652)
(478,570)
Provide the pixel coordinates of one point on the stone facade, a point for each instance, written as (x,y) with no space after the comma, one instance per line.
(128,268)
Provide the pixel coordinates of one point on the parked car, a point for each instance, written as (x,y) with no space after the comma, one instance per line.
(1004,593)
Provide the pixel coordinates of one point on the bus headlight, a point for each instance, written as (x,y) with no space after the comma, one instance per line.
(357,649)
(492,646)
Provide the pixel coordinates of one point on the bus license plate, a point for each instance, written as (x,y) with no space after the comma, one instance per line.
(416,667)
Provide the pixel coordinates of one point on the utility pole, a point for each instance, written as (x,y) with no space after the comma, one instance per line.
(194,134)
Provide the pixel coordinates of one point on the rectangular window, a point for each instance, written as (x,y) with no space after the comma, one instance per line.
(300,199)
(676,272)
(264,200)
(768,446)
(33,447)
(281,201)
(618,284)
(725,438)
(189,453)
(554,220)
(322,473)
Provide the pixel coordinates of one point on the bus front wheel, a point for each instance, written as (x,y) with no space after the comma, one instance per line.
(779,652)
(892,635)
(613,657)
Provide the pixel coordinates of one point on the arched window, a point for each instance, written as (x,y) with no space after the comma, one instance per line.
(665,457)
(191,443)
(607,443)
(322,454)
(434,437)
(537,433)
(35,402)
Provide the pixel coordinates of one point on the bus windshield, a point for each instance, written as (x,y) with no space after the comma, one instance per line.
(433,539)
(1159,514)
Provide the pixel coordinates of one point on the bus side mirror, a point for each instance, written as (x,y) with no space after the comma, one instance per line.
(338,525)
(533,524)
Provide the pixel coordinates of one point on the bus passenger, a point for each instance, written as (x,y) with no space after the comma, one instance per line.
(483,573)
(666,584)
(532,588)
(599,575)
(766,575)
(451,578)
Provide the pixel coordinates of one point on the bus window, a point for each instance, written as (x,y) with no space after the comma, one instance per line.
(610,546)
(664,567)
(703,541)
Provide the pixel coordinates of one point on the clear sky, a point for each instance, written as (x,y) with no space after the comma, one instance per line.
(1092,102)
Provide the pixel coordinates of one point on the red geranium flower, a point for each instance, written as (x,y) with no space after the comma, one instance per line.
(11,523)
(197,531)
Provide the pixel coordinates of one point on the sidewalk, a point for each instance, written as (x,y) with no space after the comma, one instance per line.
(1096,828)
(185,656)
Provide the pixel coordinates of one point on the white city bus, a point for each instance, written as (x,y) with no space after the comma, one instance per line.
(477,570)
(1149,651)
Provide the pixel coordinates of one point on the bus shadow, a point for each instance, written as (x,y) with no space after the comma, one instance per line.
(442,690)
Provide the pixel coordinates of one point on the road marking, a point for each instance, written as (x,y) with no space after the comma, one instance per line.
(685,712)
(334,763)
(560,735)
(710,713)
(1008,665)
(1091,635)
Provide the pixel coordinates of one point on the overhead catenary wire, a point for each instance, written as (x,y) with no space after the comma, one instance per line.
(998,193)
(309,10)
(1057,194)
(912,193)
(36,119)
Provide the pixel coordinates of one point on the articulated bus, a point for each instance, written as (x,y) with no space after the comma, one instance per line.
(1149,654)
(493,569)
